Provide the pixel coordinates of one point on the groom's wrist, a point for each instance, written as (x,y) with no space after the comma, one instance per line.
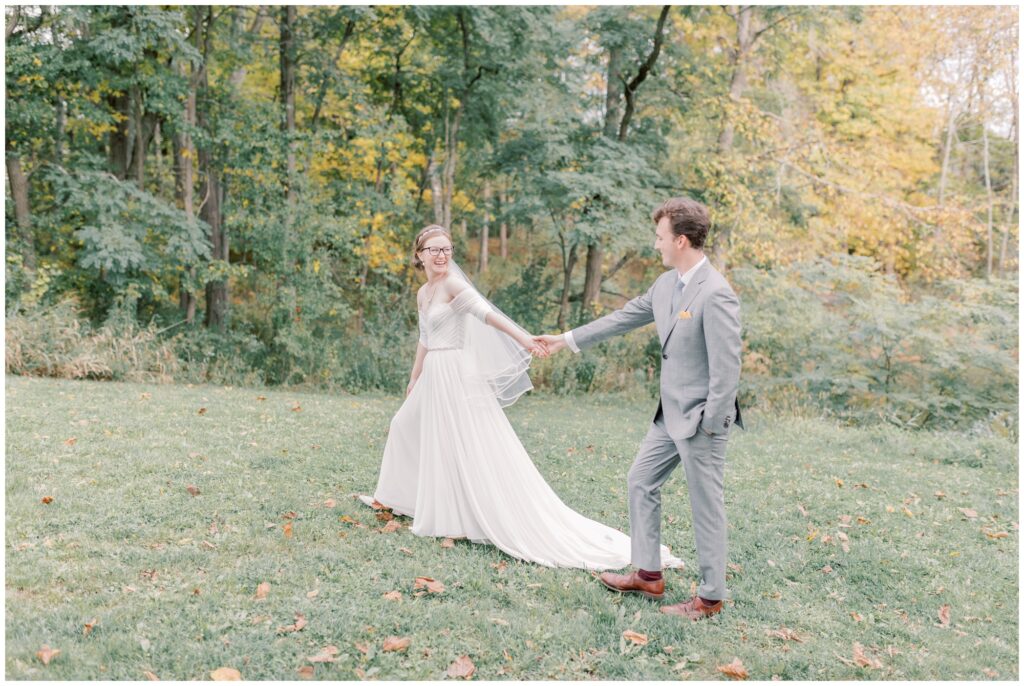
(570,342)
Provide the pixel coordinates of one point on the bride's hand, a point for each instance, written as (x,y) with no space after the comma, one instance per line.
(408,389)
(536,348)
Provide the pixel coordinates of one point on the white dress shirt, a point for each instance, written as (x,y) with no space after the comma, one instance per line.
(683,278)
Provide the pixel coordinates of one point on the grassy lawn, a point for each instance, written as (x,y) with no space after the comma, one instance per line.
(854,539)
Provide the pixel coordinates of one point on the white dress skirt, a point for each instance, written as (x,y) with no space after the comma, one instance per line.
(455,465)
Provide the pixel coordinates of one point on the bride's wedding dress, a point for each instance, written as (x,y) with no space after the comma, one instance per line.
(455,465)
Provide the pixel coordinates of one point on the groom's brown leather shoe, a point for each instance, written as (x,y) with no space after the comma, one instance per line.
(632,583)
(693,609)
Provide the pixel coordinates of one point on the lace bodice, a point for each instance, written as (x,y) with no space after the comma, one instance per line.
(443,325)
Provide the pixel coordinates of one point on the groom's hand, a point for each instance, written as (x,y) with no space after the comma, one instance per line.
(552,343)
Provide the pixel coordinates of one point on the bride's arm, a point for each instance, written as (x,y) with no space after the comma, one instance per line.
(478,307)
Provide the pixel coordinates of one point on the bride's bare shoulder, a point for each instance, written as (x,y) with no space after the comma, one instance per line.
(455,285)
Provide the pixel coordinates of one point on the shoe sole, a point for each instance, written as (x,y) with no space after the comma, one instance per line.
(646,594)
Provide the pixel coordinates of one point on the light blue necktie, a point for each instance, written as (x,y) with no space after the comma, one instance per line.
(677,295)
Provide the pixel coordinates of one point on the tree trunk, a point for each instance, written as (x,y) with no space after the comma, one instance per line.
(988,192)
(946,149)
(450,162)
(287,55)
(59,131)
(210,190)
(22,213)
(503,227)
(568,264)
(738,81)
(118,138)
(184,181)
(436,191)
(485,229)
(592,283)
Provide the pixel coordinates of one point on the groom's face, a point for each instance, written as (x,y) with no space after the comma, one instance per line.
(667,243)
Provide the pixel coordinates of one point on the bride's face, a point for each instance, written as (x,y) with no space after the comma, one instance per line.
(436,265)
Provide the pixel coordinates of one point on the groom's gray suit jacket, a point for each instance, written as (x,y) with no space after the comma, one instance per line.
(700,348)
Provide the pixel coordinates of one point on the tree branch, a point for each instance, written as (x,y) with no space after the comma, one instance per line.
(645,69)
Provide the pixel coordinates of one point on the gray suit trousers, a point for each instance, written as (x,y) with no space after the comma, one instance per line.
(703,459)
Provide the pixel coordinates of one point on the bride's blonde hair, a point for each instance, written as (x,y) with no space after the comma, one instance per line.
(421,238)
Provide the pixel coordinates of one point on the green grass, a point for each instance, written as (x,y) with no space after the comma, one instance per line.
(123,542)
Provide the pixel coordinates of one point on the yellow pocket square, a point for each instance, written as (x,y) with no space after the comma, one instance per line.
(685,315)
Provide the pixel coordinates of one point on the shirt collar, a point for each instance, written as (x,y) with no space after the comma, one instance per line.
(685,278)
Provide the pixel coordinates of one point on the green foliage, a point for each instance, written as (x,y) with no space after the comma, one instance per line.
(843,335)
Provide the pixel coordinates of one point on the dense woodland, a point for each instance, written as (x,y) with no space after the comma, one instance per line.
(228,194)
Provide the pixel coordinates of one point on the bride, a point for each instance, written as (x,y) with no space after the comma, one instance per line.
(452,460)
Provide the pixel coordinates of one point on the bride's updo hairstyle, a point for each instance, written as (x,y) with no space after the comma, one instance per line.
(421,238)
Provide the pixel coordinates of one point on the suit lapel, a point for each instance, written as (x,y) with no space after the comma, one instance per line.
(690,292)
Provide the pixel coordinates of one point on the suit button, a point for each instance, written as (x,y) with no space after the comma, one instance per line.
(664,356)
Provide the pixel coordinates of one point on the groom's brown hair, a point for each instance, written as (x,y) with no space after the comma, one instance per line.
(687,217)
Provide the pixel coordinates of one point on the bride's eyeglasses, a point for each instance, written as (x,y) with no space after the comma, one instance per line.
(434,252)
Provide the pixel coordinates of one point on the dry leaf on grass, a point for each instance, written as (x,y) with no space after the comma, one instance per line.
(968,512)
(393,595)
(396,644)
(300,622)
(262,590)
(296,407)
(47,499)
(151,676)
(89,626)
(405,550)
(391,527)
(313,594)
(384,516)
(802,510)
(785,634)
(362,648)
(944,615)
(448,543)
(71,441)
(202,411)
(995,534)
(192,489)
(430,584)
(226,674)
(287,528)
(639,639)
(46,653)
(326,654)
(734,670)
(305,672)
(330,502)
(462,668)
(863,660)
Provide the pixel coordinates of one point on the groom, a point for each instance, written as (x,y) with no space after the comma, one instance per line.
(697,317)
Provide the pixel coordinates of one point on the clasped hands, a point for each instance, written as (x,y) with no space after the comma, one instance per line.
(543,346)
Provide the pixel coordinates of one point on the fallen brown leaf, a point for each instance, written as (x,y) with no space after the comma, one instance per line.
(940,495)
(151,676)
(362,648)
(202,410)
(192,490)
(393,595)
(802,510)
(326,654)
(863,660)
(996,534)
(262,590)
(430,584)
(287,528)
(384,516)
(462,668)
(305,672)
(405,550)
(856,617)
(827,569)
(944,615)
(734,669)
(226,674)
(296,407)
(396,644)
(785,634)
(968,512)
(71,441)
(89,626)
(639,639)
(448,543)
(330,502)
(391,527)
(313,594)
(46,653)
(47,499)
(300,622)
